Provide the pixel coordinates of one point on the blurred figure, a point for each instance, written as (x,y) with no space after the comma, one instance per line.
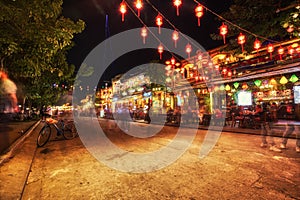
(265,128)
(290,128)
(8,91)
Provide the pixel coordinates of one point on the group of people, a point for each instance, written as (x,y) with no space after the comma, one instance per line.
(266,116)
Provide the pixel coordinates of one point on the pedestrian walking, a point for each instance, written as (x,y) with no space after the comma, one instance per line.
(290,128)
(8,91)
(266,130)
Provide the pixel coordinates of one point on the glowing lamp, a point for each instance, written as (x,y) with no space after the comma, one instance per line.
(242,40)
(159,22)
(223,31)
(199,12)
(139,5)
(144,33)
(245,86)
(291,50)
(188,49)
(280,52)
(257,83)
(236,85)
(175,37)
(257,44)
(123,9)
(283,80)
(273,82)
(177,3)
(160,50)
(270,49)
(294,78)
(227,87)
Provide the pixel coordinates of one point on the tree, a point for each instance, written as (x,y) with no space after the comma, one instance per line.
(264,19)
(34,41)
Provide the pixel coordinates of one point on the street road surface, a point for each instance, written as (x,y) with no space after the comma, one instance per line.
(236,168)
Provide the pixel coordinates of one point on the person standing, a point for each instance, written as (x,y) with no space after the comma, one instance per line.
(8,90)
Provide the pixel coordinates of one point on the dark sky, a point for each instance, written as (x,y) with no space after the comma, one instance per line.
(93,13)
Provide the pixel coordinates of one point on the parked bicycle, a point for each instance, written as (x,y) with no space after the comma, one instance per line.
(66,128)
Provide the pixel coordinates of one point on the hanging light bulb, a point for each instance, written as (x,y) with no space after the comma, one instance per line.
(177,3)
(270,49)
(159,22)
(223,31)
(160,50)
(188,49)
(123,9)
(199,12)
(144,34)
(139,5)
(175,37)
(242,40)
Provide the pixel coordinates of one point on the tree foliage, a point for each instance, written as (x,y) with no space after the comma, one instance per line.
(34,40)
(264,19)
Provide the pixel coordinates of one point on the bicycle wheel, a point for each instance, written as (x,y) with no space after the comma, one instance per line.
(70,131)
(43,136)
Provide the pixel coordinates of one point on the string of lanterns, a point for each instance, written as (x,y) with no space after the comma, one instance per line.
(199,12)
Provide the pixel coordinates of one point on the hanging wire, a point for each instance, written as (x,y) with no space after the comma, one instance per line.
(172,25)
(144,24)
(235,25)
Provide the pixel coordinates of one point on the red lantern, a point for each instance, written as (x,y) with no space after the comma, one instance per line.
(223,31)
(280,52)
(144,34)
(291,50)
(139,5)
(123,9)
(270,49)
(159,22)
(188,49)
(160,50)
(177,3)
(257,44)
(175,37)
(199,12)
(229,74)
(242,40)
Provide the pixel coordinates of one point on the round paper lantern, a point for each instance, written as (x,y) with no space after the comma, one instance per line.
(123,9)
(177,3)
(139,5)
(242,40)
(223,31)
(199,12)
(159,22)
(144,33)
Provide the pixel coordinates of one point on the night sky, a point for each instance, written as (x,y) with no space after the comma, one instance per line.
(93,13)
